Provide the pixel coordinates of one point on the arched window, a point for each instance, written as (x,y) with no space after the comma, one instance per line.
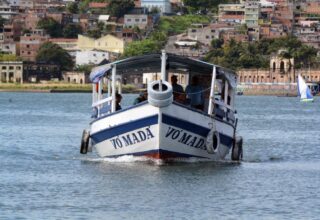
(274,66)
(281,66)
(81,81)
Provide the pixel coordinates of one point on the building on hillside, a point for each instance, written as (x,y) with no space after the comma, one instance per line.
(11,72)
(26,4)
(31,43)
(70,45)
(38,71)
(164,6)
(61,17)
(272,31)
(252,13)
(205,33)
(141,21)
(75,77)
(7,11)
(89,57)
(233,13)
(108,43)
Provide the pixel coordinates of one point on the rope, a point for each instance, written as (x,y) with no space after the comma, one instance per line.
(192,93)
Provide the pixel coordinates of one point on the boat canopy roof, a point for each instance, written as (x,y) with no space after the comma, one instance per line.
(152,63)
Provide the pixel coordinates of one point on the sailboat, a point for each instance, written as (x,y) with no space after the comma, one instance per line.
(304,91)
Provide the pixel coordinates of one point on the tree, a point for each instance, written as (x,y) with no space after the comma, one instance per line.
(141,47)
(72,30)
(118,8)
(73,8)
(50,52)
(51,26)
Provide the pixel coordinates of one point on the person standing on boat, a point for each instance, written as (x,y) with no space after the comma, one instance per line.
(118,101)
(178,93)
(195,94)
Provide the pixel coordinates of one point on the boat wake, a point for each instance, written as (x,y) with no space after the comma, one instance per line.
(129,159)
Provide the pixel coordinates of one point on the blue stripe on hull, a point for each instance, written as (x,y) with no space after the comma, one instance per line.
(163,154)
(123,128)
(194,128)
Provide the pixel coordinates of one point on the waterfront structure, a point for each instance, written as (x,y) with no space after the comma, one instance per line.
(91,57)
(39,71)
(11,72)
(108,43)
(75,77)
(164,6)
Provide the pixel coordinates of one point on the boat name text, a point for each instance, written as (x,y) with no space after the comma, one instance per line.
(185,138)
(132,138)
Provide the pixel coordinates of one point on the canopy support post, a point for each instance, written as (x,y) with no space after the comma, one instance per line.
(114,71)
(163,65)
(211,102)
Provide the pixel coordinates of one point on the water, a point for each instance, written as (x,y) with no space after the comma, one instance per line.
(43,176)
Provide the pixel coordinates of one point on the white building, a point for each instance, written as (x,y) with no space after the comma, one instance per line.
(132,21)
(163,5)
(91,57)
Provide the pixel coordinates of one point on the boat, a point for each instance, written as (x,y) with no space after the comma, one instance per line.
(163,127)
(304,91)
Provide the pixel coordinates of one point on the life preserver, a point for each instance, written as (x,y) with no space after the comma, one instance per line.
(160,98)
(85,141)
(213,142)
(237,151)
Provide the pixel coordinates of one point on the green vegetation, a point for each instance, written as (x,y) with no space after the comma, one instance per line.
(72,31)
(8,57)
(203,6)
(52,53)
(178,24)
(237,55)
(51,26)
(158,38)
(118,8)
(73,8)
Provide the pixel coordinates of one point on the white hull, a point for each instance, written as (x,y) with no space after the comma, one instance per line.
(174,131)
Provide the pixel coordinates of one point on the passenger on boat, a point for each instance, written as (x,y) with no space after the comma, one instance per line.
(143,96)
(195,94)
(178,93)
(118,101)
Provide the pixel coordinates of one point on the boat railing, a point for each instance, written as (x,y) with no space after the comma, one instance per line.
(223,111)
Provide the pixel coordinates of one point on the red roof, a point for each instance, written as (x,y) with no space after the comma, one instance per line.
(98,4)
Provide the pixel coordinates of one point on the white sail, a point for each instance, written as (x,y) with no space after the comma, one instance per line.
(303,90)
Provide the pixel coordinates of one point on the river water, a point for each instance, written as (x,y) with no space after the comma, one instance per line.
(43,176)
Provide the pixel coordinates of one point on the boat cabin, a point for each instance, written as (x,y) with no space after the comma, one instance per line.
(213,85)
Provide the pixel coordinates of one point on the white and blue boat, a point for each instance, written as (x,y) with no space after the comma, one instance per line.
(162,127)
(304,91)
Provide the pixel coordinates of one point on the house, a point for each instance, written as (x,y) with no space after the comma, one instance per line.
(91,57)
(164,6)
(252,13)
(70,45)
(108,43)
(136,20)
(7,11)
(11,72)
(31,43)
(104,18)
(75,77)
(233,13)
(205,33)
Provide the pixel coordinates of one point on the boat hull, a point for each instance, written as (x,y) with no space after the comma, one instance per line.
(174,131)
